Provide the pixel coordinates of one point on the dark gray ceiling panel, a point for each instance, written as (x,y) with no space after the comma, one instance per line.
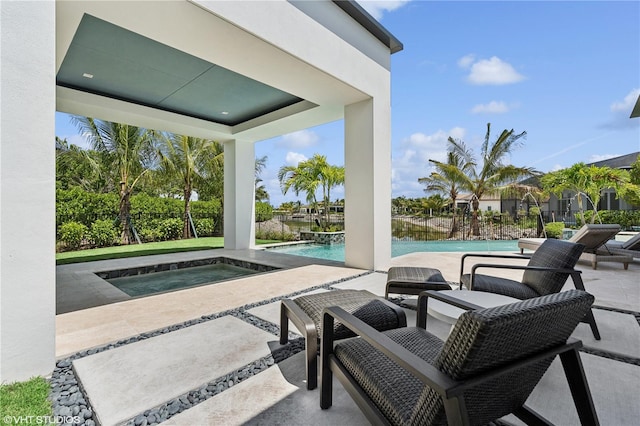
(111,61)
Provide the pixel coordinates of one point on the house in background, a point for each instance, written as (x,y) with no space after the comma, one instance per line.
(563,208)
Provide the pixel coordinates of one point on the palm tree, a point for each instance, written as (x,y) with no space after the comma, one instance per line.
(332,176)
(447,179)
(586,181)
(310,175)
(184,159)
(127,151)
(261,193)
(493,172)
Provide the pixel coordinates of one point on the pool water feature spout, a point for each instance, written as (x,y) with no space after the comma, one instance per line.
(528,193)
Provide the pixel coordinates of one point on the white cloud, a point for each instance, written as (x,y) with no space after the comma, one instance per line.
(293,158)
(492,71)
(556,167)
(599,157)
(466,61)
(298,140)
(621,111)
(627,104)
(493,107)
(411,161)
(376,8)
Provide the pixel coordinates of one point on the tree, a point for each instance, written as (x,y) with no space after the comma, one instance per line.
(260,192)
(310,175)
(585,181)
(76,167)
(492,173)
(212,188)
(332,176)
(447,179)
(631,192)
(184,160)
(127,151)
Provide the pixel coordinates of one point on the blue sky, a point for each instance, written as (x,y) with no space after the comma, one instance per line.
(567,73)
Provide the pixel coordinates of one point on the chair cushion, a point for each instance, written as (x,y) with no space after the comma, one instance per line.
(402,274)
(487,339)
(360,303)
(499,285)
(413,280)
(552,254)
(392,389)
(484,339)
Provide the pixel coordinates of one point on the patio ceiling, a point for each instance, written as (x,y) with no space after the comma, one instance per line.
(105,59)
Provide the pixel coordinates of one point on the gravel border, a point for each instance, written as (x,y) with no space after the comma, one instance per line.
(69,399)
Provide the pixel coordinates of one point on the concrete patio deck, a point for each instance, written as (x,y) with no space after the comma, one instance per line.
(152,355)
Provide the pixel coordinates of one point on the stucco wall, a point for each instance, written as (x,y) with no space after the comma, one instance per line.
(27,189)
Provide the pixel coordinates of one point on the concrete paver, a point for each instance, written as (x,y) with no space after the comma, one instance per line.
(125,381)
(278,395)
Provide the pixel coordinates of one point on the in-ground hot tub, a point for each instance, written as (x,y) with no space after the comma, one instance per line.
(152,279)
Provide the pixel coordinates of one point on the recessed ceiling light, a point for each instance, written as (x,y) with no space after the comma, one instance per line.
(87,75)
(225,112)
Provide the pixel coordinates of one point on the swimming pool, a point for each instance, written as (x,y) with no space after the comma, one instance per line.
(399,248)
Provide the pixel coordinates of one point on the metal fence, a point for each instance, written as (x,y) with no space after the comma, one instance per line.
(499,227)
(416,228)
(293,223)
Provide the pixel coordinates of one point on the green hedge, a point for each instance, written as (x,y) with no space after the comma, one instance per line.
(625,218)
(72,234)
(103,233)
(154,218)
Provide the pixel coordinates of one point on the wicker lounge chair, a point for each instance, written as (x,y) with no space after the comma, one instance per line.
(593,237)
(306,313)
(487,368)
(546,273)
(631,247)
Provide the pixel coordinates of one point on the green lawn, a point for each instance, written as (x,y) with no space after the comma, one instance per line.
(133,250)
(23,399)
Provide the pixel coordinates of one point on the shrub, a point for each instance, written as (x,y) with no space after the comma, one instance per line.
(205,227)
(170,229)
(534,211)
(149,235)
(103,233)
(72,234)
(264,211)
(274,235)
(625,218)
(554,229)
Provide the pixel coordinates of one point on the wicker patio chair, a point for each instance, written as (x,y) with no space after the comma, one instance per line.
(306,314)
(486,369)
(548,269)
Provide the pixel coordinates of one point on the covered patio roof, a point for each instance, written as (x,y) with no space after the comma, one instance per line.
(238,72)
(187,68)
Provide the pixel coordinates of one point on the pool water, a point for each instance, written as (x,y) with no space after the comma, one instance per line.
(399,248)
(158,282)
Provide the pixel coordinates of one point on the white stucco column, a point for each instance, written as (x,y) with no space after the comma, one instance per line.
(368,184)
(239,187)
(27,189)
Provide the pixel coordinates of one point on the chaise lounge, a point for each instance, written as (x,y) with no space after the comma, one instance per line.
(593,237)
(631,247)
